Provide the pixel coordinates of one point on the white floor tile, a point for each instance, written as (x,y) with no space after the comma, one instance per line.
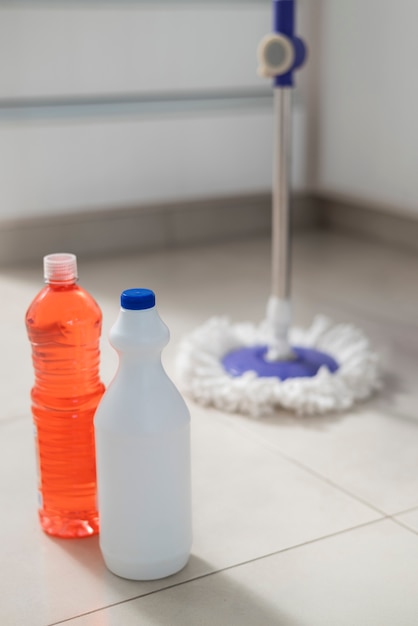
(366,576)
(374,278)
(370,454)
(248,502)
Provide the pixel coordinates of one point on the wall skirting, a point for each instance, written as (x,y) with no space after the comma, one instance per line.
(115,231)
(365,219)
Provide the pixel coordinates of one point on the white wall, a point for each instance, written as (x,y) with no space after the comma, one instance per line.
(368,102)
(117,103)
(114,47)
(76,130)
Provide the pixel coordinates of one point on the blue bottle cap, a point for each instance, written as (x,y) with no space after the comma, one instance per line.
(137,299)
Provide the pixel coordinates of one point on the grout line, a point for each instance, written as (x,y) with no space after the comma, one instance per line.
(394,518)
(224,569)
(403,525)
(329,481)
(410,510)
(273,448)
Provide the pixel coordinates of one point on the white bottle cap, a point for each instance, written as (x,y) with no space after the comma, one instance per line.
(60,267)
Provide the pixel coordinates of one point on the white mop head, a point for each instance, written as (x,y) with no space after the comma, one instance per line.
(202,376)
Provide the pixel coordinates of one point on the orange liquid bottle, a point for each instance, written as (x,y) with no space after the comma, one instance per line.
(64,325)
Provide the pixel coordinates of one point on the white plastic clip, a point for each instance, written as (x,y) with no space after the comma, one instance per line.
(276,55)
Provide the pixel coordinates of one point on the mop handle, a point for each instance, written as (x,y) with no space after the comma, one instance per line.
(280,54)
(281,232)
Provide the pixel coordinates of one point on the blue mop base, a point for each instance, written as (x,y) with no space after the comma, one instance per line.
(306,363)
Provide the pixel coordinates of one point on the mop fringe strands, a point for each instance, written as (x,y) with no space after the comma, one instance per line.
(255,370)
(203,377)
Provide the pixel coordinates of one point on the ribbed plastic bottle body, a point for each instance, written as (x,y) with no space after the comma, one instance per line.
(64,325)
(142,430)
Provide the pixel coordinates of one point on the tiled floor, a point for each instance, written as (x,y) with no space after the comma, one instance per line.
(297,521)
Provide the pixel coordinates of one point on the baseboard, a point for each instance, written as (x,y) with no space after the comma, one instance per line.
(115,231)
(129,229)
(367,220)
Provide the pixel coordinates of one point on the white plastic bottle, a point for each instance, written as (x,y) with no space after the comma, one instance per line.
(142,430)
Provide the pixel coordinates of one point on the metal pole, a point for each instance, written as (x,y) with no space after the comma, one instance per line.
(281,231)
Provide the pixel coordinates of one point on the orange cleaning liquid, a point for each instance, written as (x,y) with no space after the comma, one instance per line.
(64,325)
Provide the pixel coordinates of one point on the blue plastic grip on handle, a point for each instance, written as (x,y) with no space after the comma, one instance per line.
(284,17)
(284,24)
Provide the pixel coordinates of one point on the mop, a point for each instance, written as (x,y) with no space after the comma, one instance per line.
(256,370)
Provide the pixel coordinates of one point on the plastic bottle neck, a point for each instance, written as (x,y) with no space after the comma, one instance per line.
(139,334)
(61,284)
